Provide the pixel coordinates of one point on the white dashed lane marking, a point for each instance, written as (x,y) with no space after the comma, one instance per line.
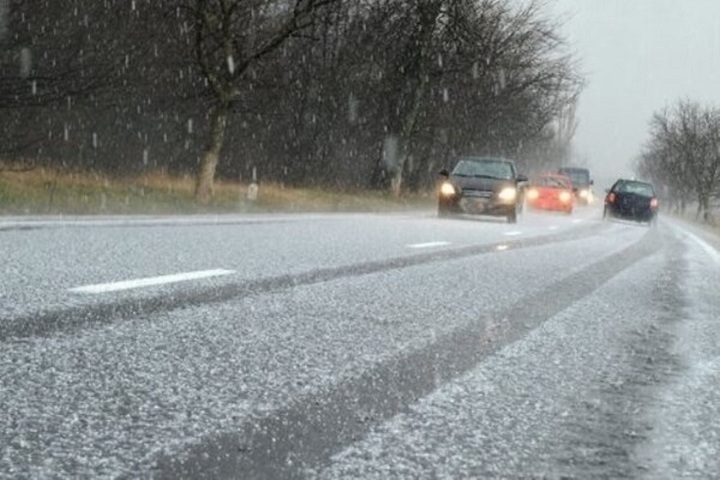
(150,281)
(428,244)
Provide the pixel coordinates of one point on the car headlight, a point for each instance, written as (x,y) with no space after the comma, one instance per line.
(532,194)
(584,193)
(565,197)
(508,194)
(447,189)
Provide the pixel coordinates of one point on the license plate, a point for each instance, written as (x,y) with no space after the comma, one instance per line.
(474,205)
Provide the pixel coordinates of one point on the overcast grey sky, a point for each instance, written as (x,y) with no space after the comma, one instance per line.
(638,57)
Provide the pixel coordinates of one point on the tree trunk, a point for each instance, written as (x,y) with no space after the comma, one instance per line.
(204,186)
(417,88)
(409,124)
(704,207)
(396,182)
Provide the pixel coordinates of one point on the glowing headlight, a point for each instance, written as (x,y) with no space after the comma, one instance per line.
(565,197)
(584,193)
(532,194)
(507,194)
(447,189)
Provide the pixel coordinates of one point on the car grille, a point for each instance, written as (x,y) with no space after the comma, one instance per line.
(477,193)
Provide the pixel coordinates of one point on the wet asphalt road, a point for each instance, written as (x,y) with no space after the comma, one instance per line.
(359,346)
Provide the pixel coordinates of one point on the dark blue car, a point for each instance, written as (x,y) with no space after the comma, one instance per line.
(631,200)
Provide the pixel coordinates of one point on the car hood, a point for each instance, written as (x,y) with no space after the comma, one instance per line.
(481,184)
(550,190)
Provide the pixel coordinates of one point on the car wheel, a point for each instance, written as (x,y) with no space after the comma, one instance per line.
(512,217)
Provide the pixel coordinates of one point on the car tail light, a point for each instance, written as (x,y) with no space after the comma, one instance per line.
(654,203)
(611,198)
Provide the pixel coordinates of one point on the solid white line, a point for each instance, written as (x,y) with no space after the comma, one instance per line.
(150,281)
(513,233)
(428,244)
(709,249)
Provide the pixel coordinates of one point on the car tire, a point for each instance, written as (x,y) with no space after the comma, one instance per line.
(512,217)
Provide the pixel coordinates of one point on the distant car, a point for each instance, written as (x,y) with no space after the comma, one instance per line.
(581,181)
(631,200)
(482,186)
(551,192)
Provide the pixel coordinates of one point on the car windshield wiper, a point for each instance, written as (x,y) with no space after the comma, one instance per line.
(491,177)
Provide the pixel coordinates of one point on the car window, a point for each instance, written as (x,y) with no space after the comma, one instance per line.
(474,168)
(637,188)
(578,177)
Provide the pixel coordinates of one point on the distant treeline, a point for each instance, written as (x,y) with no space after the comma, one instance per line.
(682,155)
(367,93)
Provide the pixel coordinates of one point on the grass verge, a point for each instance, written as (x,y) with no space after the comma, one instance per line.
(44,191)
(711,225)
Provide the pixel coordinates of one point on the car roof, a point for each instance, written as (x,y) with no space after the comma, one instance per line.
(573,169)
(631,180)
(485,159)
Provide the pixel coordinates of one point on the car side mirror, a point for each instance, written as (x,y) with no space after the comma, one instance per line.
(592,182)
(521,178)
(444,173)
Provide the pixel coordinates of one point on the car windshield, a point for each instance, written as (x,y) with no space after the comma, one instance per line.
(578,177)
(331,239)
(483,168)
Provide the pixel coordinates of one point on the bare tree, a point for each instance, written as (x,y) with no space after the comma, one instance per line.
(230,38)
(683,153)
(314,88)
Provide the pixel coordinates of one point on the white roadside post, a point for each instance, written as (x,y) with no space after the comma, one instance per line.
(252,191)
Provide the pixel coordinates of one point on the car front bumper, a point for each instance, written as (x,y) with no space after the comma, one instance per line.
(476,205)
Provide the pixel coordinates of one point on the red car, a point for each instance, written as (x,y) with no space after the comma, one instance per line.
(551,192)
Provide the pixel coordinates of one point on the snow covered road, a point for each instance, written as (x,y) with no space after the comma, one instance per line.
(359,346)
